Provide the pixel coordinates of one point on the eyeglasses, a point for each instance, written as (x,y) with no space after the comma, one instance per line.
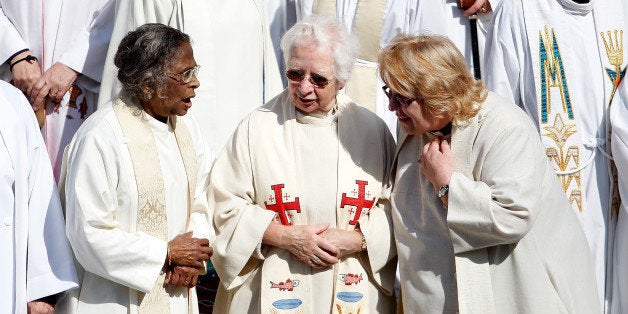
(398,99)
(317,80)
(185,76)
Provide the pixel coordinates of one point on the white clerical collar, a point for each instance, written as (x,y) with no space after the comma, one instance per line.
(157,125)
(317,118)
(577,8)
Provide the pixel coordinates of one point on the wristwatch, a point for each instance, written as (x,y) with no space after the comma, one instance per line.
(363,246)
(443,190)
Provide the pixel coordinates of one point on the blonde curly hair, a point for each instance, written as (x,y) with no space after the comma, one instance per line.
(430,69)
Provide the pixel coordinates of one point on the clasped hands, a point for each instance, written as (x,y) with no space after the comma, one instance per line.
(318,245)
(186,257)
(53,83)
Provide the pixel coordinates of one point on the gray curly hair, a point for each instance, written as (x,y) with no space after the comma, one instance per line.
(324,31)
(144,57)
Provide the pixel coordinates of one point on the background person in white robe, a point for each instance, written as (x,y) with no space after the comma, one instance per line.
(232,43)
(619,146)
(476,220)
(560,61)
(64,75)
(301,192)
(135,181)
(37,261)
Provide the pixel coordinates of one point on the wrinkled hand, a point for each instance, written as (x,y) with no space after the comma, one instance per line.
(181,276)
(54,83)
(436,162)
(304,242)
(474,8)
(25,73)
(40,307)
(188,251)
(348,242)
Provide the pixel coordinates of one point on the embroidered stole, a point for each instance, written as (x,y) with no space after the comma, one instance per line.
(151,213)
(559,122)
(285,281)
(367,27)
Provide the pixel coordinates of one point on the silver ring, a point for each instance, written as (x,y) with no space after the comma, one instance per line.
(316,260)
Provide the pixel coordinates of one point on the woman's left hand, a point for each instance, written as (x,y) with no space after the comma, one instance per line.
(436,162)
(348,242)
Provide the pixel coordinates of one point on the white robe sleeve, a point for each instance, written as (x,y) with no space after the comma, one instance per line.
(502,205)
(506,47)
(87,53)
(50,266)
(240,223)
(96,216)
(201,214)
(10,39)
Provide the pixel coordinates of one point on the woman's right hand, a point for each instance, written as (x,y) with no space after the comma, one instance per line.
(304,242)
(181,276)
(184,250)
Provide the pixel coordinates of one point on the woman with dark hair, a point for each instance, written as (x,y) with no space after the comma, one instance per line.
(135,179)
(479,220)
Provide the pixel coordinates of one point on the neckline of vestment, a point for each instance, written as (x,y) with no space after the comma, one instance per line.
(577,8)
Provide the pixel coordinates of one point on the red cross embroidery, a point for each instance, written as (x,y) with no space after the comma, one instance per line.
(280,207)
(360,202)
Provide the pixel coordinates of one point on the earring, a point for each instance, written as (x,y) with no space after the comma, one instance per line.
(148,96)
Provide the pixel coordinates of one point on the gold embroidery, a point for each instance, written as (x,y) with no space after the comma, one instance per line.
(615,55)
(563,156)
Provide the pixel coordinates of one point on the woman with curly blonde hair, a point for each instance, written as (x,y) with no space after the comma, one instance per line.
(481,225)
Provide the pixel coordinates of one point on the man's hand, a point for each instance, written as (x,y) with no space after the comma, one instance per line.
(54,83)
(475,8)
(40,307)
(25,73)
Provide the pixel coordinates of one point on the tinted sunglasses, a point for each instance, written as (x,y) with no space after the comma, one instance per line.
(398,99)
(316,80)
(186,76)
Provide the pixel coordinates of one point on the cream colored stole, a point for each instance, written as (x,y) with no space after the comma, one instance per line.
(286,285)
(473,277)
(151,213)
(367,26)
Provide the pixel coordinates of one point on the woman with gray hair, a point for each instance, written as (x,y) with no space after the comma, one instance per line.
(301,192)
(135,181)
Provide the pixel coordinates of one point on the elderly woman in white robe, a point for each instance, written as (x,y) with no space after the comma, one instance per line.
(135,182)
(479,220)
(301,192)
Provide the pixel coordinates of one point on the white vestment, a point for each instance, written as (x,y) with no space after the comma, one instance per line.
(56,31)
(36,260)
(101,204)
(619,144)
(280,159)
(508,241)
(550,58)
(231,42)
